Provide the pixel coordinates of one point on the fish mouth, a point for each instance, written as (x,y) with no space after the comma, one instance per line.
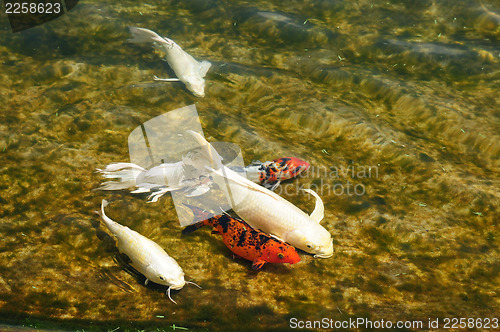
(178,285)
(323,255)
(326,253)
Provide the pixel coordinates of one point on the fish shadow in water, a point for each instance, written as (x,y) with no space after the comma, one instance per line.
(276,268)
(271,268)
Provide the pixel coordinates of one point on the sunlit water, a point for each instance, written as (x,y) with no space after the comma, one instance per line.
(393,103)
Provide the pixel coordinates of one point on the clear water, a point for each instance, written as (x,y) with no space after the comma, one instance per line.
(393,103)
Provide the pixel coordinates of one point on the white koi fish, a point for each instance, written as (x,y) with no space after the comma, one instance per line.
(263,209)
(188,70)
(178,176)
(147,256)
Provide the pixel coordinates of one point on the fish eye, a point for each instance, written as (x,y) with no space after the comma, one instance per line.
(310,246)
(161,278)
(280,255)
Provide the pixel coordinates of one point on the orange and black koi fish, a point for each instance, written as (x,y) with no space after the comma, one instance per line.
(270,173)
(244,241)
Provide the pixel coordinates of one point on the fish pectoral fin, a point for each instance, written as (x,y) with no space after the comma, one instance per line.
(277,237)
(319,210)
(204,67)
(258,264)
(146,281)
(156,78)
(197,191)
(272,185)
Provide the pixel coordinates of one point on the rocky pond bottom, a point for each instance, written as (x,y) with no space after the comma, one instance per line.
(394,104)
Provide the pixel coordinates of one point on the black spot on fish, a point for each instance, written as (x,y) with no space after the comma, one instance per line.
(296,170)
(242,238)
(268,172)
(224,221)
(262,240)
(284,161)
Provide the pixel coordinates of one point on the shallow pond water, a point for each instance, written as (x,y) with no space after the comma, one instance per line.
(393,103)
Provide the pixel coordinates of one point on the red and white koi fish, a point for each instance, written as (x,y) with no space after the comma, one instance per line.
(188,70)
(265,210)
(270,173)
(147,256)
(243,240)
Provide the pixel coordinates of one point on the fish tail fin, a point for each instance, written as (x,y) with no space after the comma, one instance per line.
(111,224)
(125,173)
(100,212)
(209,151)
(191,228)
(141,35)
(199,214)
(204,67)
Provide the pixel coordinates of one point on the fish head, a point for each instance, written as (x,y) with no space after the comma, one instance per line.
(169,274)
(281,252)
(196,85)
(177,284)
(314,240)
(175,281)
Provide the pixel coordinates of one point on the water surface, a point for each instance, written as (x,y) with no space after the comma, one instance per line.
(403,93)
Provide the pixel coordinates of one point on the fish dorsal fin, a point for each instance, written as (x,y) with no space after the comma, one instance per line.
(197,191)
(319,210)
(217,167)
(207,150)
(204,67)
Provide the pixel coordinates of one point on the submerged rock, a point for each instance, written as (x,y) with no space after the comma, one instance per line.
(278,27)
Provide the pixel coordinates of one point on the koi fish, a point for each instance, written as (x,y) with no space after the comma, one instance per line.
(154,181)
(243,240)
(267,211)
(188,70)
(193,183)
(270,173)
(147,256)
